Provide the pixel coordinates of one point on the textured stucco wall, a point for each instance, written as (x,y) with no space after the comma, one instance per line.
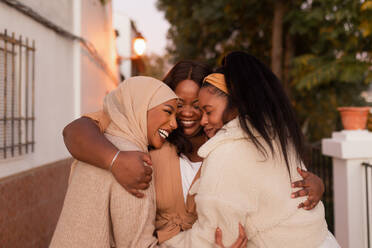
(68,81)
(54,106)
(96,26)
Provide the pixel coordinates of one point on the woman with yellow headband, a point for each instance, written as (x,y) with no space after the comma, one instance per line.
(255,143)
(176,165)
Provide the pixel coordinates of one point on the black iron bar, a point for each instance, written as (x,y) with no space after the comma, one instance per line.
(13,92)
(2,49)
(26,93)
(17,118)
(33,96)
(23,144)
(13,41)
(20,99)
(367,201)
(5,91)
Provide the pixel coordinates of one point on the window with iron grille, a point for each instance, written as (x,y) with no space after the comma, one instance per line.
(17,95)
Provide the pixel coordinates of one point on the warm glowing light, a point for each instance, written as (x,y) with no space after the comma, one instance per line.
(139,46)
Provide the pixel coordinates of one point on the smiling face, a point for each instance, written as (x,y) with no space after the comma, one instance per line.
(213,107)
(161,121)
(188,113)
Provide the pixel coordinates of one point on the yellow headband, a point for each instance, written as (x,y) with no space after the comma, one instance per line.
(217,80)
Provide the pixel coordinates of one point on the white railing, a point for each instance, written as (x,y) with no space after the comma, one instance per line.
(352,186)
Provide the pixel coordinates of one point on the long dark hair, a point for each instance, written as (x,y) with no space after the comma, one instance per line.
(260,98)
(183,70)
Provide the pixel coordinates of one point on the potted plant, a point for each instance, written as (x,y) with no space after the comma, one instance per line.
(369,121)
(354,118)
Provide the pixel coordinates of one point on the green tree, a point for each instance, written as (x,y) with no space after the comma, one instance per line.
(204,30)
(155,66)
(321,49)
(335,67)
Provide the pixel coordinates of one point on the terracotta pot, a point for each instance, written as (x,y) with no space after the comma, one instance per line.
(369,122)
(354,118)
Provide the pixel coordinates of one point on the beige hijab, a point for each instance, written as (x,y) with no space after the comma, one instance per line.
(128,104)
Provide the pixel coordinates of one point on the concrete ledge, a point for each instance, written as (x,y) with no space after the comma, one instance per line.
(348,145)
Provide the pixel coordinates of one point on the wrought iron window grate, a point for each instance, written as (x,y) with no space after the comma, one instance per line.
(17,95)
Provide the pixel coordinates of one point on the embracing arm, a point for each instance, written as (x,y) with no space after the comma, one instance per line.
(86,142)
(312,186)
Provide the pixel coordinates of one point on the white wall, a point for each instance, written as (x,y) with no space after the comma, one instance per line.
(96,23)
(59,70)
(59,11)
(53,90)
(124,42)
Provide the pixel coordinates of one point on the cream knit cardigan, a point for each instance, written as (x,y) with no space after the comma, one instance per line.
(98,212)
(238,185)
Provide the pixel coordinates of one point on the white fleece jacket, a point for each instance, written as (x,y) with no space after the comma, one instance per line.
(238,185)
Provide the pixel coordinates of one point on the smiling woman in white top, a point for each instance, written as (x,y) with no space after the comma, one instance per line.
(176,165)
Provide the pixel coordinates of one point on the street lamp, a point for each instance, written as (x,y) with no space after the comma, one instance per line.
(139,45)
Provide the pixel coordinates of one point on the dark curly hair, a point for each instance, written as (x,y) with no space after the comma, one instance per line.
(181,71)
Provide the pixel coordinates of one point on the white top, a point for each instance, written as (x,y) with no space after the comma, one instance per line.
(238,185)
(330,242)
(188,172)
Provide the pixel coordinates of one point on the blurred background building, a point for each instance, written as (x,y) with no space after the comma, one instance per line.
(130,44)
(58,59)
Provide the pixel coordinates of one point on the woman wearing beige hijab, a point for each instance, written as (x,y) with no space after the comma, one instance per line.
(98,211)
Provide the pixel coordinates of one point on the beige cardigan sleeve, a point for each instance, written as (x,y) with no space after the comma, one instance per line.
(100,118)
(224,198)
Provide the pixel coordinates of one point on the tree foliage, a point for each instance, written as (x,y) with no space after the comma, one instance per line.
(336,66)
(204,30)
(327,47)
(155,66)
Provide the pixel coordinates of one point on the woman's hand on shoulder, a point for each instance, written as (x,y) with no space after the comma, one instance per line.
(312,186)
(131,173)
(241,242)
